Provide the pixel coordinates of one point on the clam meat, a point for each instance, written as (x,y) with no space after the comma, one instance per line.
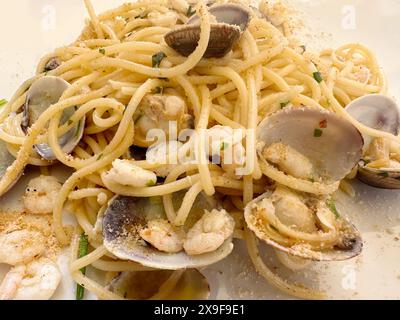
(380,164)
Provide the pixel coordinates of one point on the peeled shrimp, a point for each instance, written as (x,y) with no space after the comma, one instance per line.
(209,233)
(41,194)
(163,236)
(126,173)
(20,246)
(37,280)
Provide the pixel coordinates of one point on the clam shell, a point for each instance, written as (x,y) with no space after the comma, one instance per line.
(352,239)
(231,20)
(140,285)
(381,113)
(229,13)
(6,160)
(43,93)
(379,178)
(222,39)
(333,154)
(126,216)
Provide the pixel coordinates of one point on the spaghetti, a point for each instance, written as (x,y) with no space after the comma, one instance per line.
(111,71)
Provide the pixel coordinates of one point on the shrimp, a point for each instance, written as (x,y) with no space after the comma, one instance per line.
(289,160)
(41,194)
(126,173)
(20,246)
(209,233)
(37,280)
(163,236)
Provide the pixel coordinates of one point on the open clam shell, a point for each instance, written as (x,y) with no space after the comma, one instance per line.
(126,216)
(141,285)
(6,160)
(381,113)
(231,20)
(43,93)
(332,144)
(350,244)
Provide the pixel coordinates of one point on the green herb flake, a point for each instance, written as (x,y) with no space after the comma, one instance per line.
(151,183)
(83,251)
(224,145)
(78,129)
(331,205)
(70,122)
(318,77)
(317,133)
(383,174)
(304,48)
(311,179)
(164,79)
(157,58)
(102,51)
(100,156)
(284,104)
(3,102)
(190,11)
(158,90)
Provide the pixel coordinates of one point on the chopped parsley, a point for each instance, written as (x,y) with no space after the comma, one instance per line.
(100,156)
(158,90)
(224,145)
(157,58)
(383,174)
(331,205)
(82,251)
(190,11)
(164,79)
(70,122)
(151,183)
(304,48)
(3,102)
(78,129)
(102,51)
(317,133)
(284,104)
(318,77)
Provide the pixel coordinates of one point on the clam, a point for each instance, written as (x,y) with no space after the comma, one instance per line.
(43,93)
(231,20)
(6,161)
(305,150)
(192,285)
(318,146)
(327,237)
(125,217)
(52,64)
(381,113)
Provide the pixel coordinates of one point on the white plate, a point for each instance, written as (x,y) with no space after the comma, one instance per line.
(31,28)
